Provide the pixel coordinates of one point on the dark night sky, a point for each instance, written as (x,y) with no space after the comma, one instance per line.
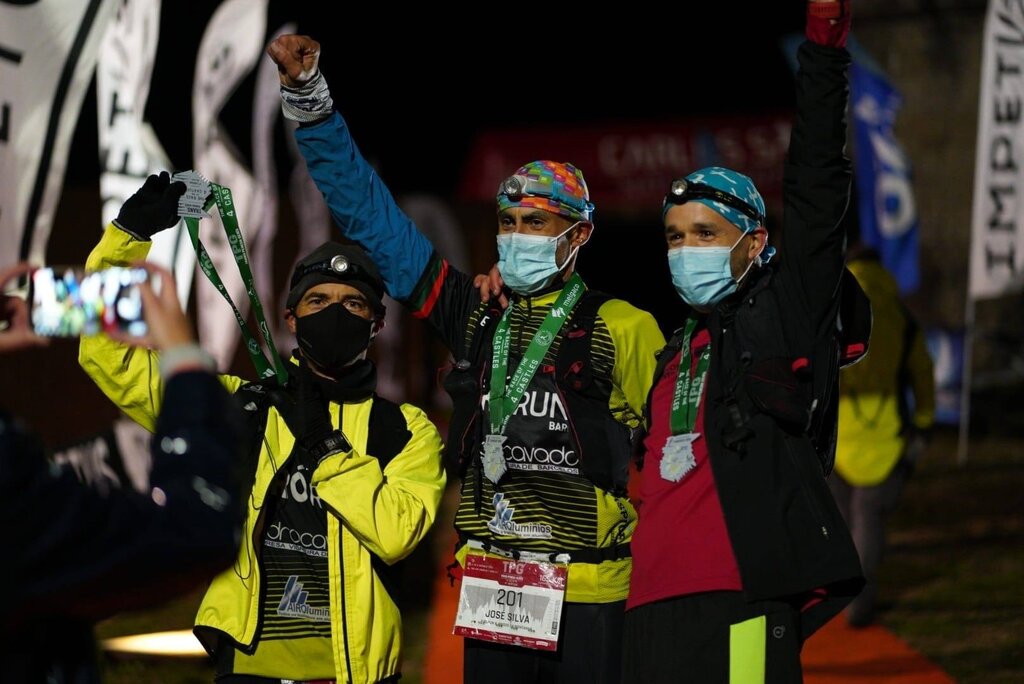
(415,96)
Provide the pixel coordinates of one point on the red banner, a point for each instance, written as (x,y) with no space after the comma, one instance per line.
(628,167)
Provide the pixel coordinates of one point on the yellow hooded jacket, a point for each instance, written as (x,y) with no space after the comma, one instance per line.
(871,428)
(371,512)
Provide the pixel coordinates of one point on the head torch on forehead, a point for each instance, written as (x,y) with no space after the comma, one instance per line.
(518,186)
(682,191)
(337,266)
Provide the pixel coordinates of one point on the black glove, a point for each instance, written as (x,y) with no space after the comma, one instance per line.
(305,412)
(152,208)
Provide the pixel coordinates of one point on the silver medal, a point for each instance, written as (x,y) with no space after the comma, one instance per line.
(494,457)
(677,456)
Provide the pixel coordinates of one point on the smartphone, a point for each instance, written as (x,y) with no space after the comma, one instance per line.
(68,302)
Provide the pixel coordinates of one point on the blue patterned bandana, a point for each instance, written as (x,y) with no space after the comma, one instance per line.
(735,184)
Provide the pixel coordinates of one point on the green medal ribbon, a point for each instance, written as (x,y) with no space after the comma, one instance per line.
(226,206)
(689,388)
(502,401)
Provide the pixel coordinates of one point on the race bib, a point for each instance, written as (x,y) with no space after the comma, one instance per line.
(514,602)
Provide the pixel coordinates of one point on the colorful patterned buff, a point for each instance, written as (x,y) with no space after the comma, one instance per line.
(552,186)
(734,183)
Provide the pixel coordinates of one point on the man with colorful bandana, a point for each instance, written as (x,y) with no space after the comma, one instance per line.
(546,396)
(740,552)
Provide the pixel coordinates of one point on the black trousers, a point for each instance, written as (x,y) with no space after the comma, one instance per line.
(712,638)
(589,652)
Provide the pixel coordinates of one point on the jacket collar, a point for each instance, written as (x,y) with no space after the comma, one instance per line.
(546,296)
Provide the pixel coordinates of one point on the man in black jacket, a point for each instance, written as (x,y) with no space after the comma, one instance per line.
(79,555)
(740,553)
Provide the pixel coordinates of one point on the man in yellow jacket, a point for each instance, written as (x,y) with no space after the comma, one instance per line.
(886,409)
(344,484)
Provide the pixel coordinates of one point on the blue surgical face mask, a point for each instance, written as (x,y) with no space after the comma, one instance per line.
(529,263)
(703,275)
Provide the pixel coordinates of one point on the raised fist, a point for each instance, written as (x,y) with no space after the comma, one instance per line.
(296,58)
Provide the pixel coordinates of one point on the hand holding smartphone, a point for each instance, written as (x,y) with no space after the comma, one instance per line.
(167,324)
(137,305)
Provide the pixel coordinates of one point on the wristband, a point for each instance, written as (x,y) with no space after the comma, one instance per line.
(825,10)
(136,236)
(334,443)
(309,102)
(188,356)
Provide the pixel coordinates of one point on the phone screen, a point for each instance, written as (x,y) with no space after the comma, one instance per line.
(67,302)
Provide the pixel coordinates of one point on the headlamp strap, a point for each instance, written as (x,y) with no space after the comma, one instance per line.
(683,191)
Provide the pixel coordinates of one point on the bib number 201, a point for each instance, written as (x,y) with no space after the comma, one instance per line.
(507,597)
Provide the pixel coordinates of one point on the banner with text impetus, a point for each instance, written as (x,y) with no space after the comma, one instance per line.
(997,224)
(47,57)
(882,171)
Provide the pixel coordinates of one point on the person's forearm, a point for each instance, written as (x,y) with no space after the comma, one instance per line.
(817,178)
(362,205)
(389,514)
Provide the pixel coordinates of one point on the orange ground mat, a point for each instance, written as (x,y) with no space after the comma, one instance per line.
(835,655)
(840,655)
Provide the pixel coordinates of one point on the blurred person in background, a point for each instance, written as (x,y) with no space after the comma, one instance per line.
(80,554)
(886,413)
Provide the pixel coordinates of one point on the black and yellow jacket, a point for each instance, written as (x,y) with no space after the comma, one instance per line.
(374,514)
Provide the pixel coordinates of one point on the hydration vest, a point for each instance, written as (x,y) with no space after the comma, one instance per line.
(605,445)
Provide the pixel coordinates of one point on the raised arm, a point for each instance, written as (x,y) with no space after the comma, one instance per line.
(361,204)
(817,172)
(127,374)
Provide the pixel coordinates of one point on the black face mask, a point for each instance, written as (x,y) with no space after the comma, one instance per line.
(332,337)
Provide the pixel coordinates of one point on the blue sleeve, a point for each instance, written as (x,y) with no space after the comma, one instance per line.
(362,205)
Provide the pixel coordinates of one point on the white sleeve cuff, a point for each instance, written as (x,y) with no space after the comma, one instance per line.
(310,102)
(185,357)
